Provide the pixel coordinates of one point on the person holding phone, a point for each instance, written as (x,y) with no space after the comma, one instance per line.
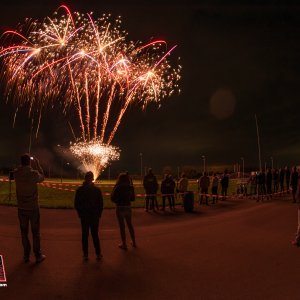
(27,176)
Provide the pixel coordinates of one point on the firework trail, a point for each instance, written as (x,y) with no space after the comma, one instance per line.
(88,66)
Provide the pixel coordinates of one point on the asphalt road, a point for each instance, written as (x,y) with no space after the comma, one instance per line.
(238,249)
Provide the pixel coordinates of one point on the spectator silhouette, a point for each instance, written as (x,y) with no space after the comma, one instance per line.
(203,185)
(122,195)
(182,186)
(224,184)
(281,179)
(269,183)
(296,241)
(151,187)
(27,176)
(287,178)
(89,206)
(214,188)
(294,182)
(172,190)
(275,180)
(167,190)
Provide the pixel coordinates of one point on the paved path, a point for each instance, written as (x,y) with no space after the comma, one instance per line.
(235,250)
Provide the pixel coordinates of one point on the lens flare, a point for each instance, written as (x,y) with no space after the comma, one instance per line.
(90,69)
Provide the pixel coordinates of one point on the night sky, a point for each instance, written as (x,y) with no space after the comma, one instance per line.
(238,60)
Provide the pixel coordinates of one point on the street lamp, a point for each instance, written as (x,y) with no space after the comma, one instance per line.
(203,157)
(243,170)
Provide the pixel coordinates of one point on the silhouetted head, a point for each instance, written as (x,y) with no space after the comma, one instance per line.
(89,176)
(123,179)
(150,171)
(25,159)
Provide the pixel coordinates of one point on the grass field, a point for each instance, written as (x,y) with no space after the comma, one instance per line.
(60,198)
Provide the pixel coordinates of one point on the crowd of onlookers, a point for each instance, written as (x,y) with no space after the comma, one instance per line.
(88,200)
(265,184)
(170,189)
(260,185)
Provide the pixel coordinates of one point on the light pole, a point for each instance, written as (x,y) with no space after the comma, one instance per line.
(203,157)
(272,162)
(243,167)
(141,157)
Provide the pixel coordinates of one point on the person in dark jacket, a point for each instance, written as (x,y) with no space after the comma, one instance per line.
(151,187)
(89,205)
(281,179)
(172,191)
(224,184)
(275,180)
(287,178)
(269,183)
(167,190)
(294,183)
(261,185)
(122,195)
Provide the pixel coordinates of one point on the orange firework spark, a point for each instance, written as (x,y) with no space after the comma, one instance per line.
(84,64)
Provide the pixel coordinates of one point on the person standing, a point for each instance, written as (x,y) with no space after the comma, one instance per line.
(89,206)
(294,182)
(287,178)
(151,187)
(122,195)
(275,180)
(182,186)
(172,191)
(166,191)
(281,179)
(261,185)
(269,183)
(214,188)
(224,184)
(203,185)
(27,176)
(296,241)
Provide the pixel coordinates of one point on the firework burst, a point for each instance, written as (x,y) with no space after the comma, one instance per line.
(88,66)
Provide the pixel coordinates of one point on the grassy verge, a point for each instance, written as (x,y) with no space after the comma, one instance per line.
(56,198)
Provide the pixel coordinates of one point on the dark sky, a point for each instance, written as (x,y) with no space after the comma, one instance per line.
(238,60)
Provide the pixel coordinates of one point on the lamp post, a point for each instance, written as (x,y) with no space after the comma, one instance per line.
(243,167)
(141,161)
(203,158)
